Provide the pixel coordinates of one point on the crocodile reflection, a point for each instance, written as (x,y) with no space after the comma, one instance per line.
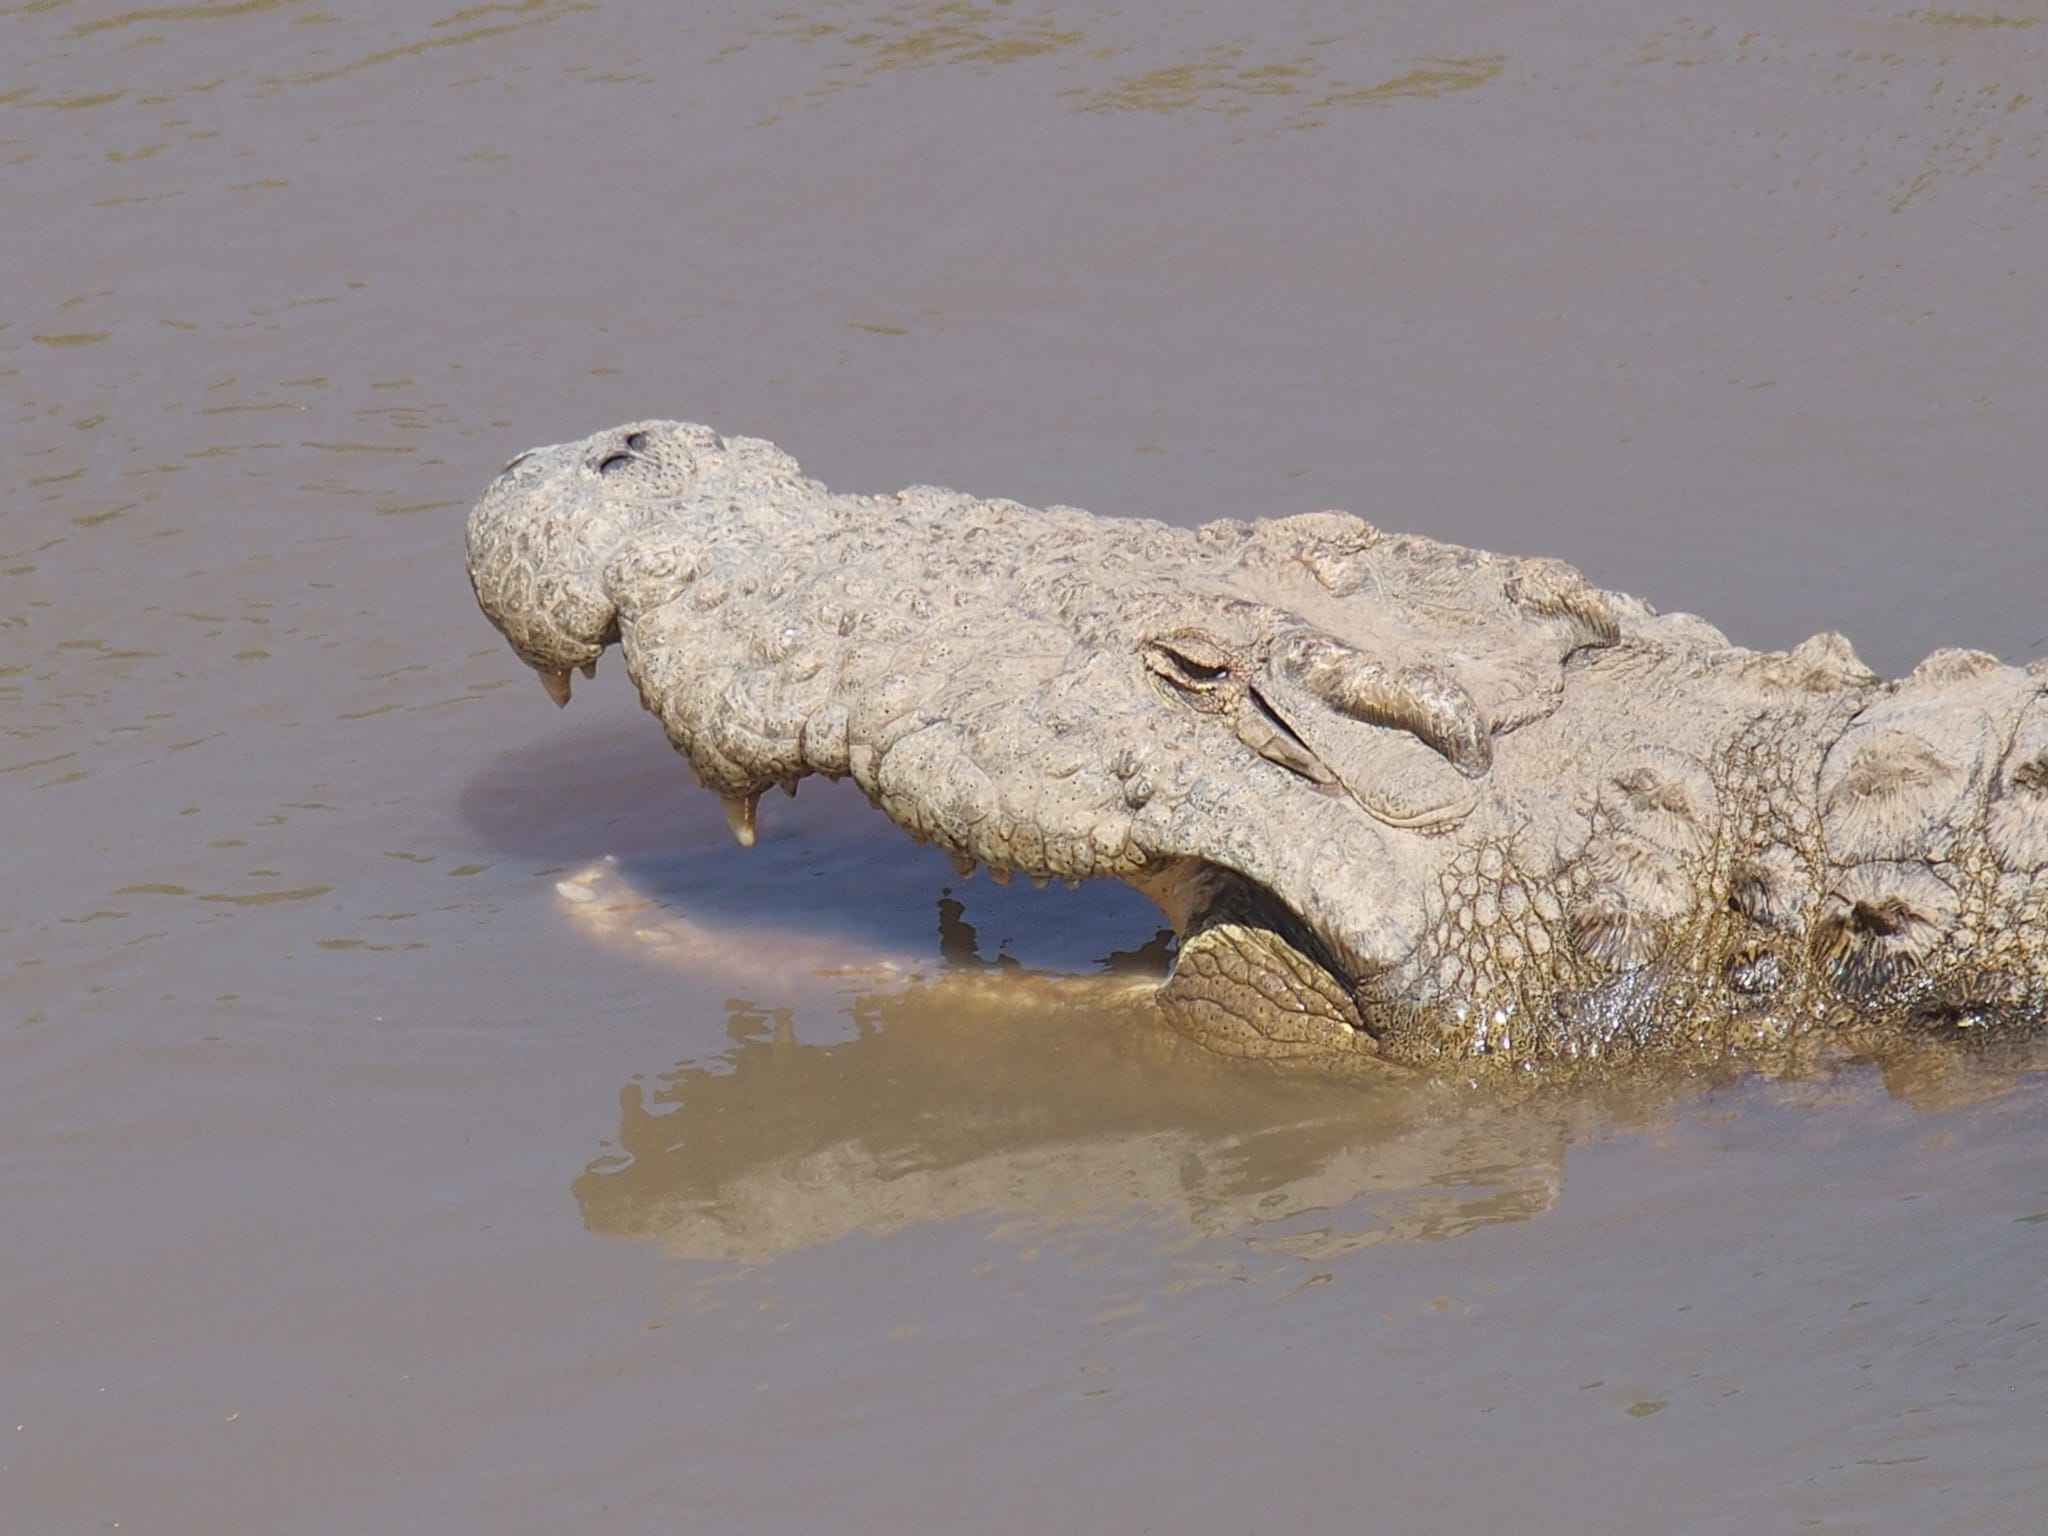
(1049,1115)
(1060,1116)
(874,1084)
(992,1062)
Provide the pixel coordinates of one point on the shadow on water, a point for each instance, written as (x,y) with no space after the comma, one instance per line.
(909,1048)
(827,870)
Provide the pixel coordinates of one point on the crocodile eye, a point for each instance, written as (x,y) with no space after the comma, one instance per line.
(636,441)
(1189,659)
(614,463)
(1198,671)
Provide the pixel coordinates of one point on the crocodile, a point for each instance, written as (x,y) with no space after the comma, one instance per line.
(1404,804)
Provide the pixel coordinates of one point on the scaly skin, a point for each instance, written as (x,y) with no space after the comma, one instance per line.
(1405,803)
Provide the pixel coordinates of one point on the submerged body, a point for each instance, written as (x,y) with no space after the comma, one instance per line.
(1403,802)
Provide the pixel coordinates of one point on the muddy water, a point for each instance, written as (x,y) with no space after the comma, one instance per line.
(356,1178)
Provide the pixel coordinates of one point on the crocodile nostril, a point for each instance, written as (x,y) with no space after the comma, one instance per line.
(612,463)
(636,440)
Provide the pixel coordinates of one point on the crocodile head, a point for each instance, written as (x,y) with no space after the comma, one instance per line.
(1401,801)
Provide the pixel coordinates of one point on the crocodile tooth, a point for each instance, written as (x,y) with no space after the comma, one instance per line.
(1040,881)
(963,866)
(788,786)
(1000,876)
(589,668)
(556,681)
(739,815)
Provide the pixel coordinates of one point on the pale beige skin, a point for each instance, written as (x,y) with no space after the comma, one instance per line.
(1404,803)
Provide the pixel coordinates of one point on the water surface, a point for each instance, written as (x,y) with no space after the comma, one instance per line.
(353,1183)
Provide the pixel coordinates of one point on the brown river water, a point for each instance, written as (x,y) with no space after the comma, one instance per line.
(356,1175)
